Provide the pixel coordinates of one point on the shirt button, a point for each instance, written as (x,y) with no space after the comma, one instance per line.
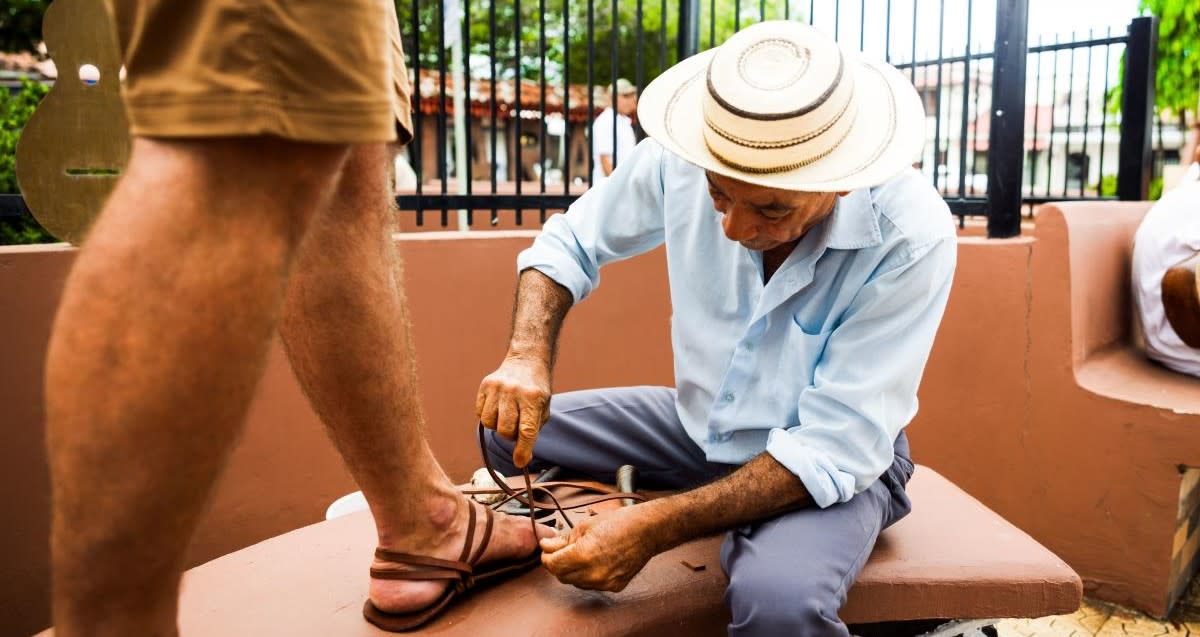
(728,397)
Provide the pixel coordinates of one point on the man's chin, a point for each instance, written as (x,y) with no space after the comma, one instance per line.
(758,246)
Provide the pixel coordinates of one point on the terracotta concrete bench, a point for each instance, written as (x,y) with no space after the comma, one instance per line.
(952,558)
(1039,401)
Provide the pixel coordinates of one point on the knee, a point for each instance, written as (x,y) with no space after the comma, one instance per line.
(776,606)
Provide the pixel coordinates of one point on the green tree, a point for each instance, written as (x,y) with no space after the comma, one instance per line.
(1177,74)
(571,47)
(1177,77)
(15,110)
(21,24)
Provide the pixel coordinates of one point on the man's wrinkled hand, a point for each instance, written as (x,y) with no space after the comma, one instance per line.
(514,400)
(601,553)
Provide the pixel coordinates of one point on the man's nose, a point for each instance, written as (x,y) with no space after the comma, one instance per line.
(739,225)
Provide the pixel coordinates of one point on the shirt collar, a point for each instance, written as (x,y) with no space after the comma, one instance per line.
(853,224)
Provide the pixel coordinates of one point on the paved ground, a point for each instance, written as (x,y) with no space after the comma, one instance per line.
(1097,619)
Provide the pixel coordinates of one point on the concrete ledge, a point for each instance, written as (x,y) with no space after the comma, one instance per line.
(951,558)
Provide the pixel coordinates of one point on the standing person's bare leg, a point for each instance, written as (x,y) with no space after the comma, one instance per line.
(158,345)
(346,327)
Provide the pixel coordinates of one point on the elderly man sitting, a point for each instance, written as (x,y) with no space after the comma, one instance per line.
(809,267)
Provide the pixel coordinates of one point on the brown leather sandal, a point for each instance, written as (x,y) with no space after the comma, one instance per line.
(461,573)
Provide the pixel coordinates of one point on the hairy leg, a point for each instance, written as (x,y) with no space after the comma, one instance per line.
(346,329)
(158,345)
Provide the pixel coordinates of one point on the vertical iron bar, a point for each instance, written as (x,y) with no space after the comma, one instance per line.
(492,64)
(614,45)
(443,156)
(862,24)
(566,140)
(1053,108)
(837,20)
(762,10)
(1070,116)
(1104,110)
(737,15)
(1037,114)
(640,76)
(975,128)
(542,128)
(1006,137)
(887,33)
(787,9)
(689,28)
(811,12)
(1157,157)
(517,106)
(591,92)
(966,96)
(1087,115)
(937,97)
(1137,110)
(712,25)
(662,46)
(466,86)
(913,71)
(418,134)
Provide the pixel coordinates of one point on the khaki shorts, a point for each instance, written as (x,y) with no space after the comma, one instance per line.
(306,70)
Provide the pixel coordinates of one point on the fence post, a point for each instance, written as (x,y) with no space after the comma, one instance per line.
(1006,139)
(1137,111)
(689,28)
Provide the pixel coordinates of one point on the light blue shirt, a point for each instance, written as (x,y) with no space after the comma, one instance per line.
(819,367)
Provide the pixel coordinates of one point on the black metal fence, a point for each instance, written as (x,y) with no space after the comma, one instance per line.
(503,117)
(1008,124)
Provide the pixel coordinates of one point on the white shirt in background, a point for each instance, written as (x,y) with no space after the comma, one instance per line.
(1169,234)
(602,141)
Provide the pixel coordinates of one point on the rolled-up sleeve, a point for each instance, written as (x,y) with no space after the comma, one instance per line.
(864,387)
(618,218)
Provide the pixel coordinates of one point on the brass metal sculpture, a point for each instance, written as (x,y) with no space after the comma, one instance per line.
(76,144)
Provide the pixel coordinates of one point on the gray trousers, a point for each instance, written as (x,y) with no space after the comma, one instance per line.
(788,575)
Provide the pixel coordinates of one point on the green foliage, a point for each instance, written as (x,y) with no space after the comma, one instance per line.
(21,24)
(1108,187)
(1177,76)
(15,110)
(572,51)
(1177,80)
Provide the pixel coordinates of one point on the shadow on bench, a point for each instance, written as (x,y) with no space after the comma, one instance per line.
(952,558)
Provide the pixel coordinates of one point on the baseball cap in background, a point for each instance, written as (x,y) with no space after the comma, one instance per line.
(625,87)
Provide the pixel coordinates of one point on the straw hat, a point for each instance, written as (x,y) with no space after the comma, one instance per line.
(779,104)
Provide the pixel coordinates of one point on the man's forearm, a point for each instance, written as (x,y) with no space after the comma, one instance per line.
(539,311)
(760,489)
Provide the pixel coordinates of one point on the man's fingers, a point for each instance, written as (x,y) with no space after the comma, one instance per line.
(487,413)
(552,544)
(506,417)
(481,399)
(528,424)
(563,561)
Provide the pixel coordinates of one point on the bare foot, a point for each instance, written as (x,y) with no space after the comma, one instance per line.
(512,538)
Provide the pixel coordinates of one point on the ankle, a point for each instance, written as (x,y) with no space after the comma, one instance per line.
(435,517)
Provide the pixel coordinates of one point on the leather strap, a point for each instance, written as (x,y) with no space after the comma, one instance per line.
(421,567)
(526,496)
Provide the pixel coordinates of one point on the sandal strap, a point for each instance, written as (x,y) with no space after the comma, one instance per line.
(421,567)
(487,536)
